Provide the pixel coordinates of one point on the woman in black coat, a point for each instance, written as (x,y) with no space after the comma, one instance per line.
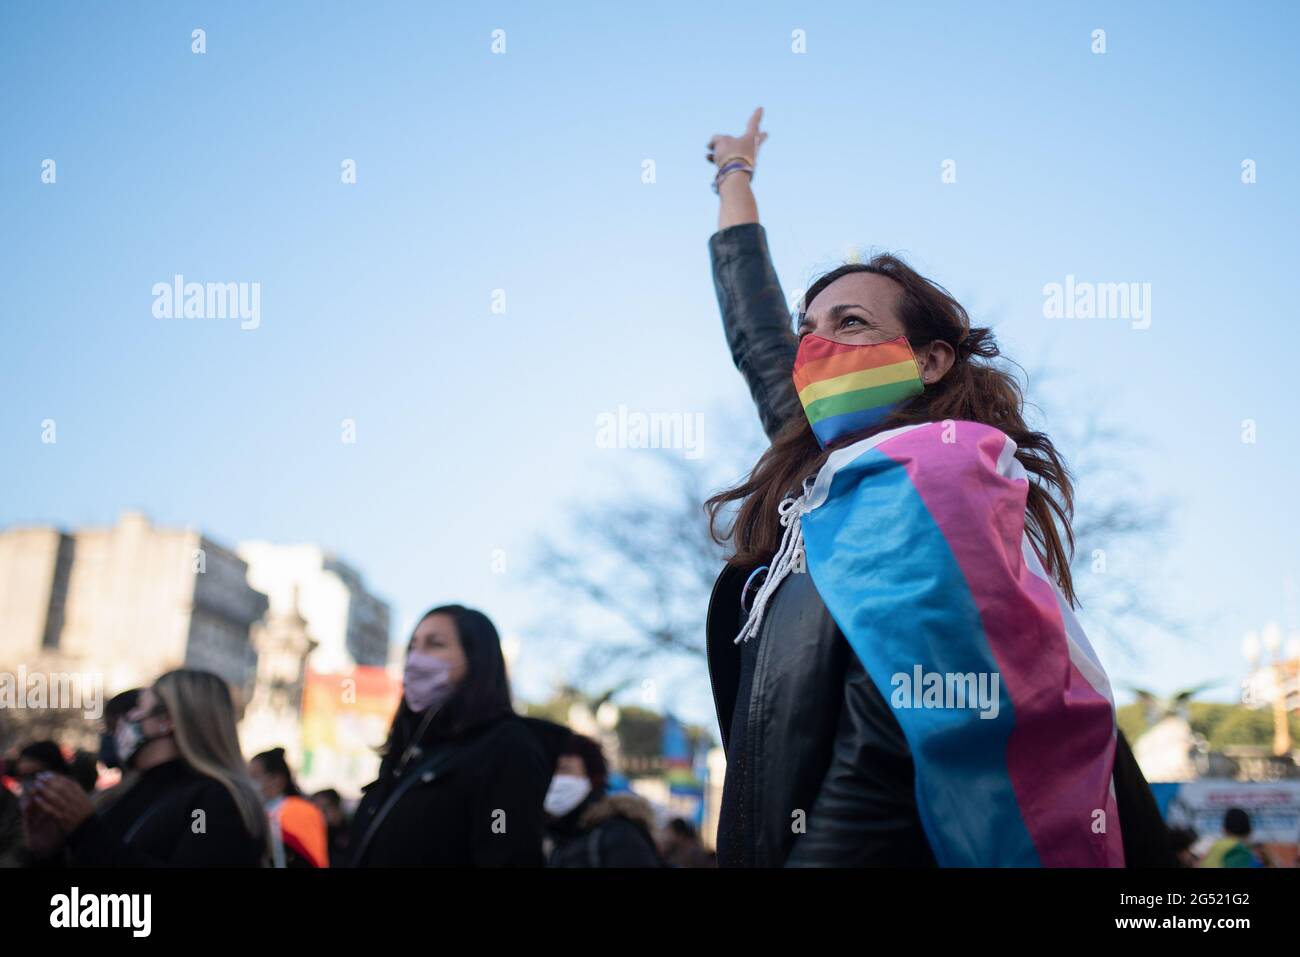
(463,777)
(188,803)
(810,738)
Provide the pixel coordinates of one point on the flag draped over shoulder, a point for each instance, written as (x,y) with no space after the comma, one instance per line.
(915,539)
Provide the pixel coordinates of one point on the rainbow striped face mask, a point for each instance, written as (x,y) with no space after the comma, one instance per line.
(851,387)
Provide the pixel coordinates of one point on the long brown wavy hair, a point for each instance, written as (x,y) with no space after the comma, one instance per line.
(975,389)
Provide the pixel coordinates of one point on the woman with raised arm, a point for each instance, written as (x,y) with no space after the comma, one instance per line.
(898,673)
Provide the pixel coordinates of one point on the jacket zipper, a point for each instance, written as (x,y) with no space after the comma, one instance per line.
(750,829)
(708,658)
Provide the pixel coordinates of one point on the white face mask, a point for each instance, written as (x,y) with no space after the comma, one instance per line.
(566,792)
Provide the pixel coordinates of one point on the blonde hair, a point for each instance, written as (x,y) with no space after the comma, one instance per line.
(203,716)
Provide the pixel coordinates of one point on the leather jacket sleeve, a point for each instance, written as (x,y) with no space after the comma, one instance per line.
(756,319)
(865,812)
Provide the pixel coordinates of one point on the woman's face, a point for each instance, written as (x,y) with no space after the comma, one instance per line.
(156,725)
(438,636)
(861,308)
(151,713)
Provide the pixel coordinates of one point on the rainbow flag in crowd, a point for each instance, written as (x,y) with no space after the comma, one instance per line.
(915,540)
(841,396)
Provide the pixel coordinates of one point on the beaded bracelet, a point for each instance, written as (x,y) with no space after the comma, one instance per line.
(730,168)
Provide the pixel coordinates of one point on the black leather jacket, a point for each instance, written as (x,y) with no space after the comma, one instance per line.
(819,771)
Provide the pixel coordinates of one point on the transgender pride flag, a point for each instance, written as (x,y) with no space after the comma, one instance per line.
(916,542)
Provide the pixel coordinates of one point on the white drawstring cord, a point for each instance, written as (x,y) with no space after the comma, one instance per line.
(791,510)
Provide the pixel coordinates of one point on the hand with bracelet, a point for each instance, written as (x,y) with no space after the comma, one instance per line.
(735,157)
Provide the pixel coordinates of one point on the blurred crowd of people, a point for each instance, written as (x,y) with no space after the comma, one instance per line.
(464,781)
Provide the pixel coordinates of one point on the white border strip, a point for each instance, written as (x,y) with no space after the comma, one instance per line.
(842,457)
(1082,655)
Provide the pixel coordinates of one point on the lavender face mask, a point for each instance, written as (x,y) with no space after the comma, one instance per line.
(426,681)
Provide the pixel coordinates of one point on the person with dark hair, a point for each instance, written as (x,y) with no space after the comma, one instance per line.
(897,670)
(589,827)
(337,823)
(462,776)
(1232,850)
(38,757)
(298,832)
(117,708)
(115,712)
(37,760)
(681,845)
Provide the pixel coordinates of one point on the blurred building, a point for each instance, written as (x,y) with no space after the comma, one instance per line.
(1273,685)
(130,602)
(274,715)
(348,624)
(1169,750)
(323,630)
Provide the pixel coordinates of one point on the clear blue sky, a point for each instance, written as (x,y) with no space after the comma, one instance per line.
(522,172)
